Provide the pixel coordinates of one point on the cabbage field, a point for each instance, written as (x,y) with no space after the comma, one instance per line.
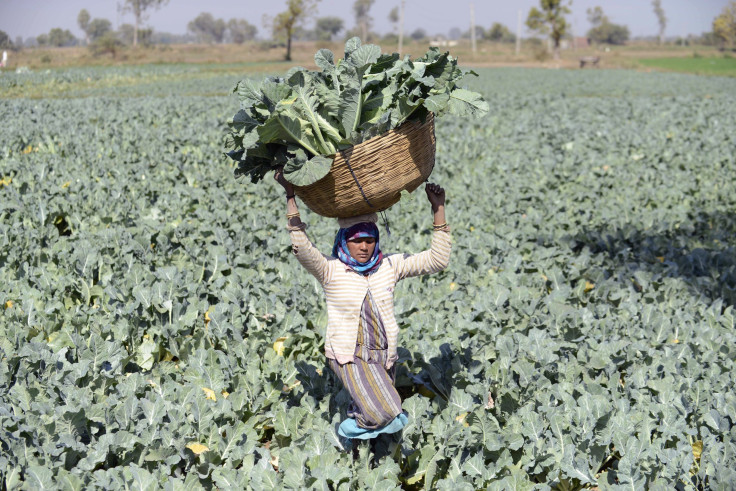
(157,333)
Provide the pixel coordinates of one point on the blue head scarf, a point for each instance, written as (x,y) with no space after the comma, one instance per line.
(340,249)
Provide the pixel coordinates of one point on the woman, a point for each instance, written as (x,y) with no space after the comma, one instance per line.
(358,281)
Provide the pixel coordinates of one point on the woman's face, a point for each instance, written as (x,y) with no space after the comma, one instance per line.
(361,249)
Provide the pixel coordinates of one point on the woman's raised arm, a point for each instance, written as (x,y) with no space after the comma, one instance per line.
(292,210)
(307,255)
(436,196)
(437,257)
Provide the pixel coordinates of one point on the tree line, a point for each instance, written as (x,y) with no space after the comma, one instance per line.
(548,19)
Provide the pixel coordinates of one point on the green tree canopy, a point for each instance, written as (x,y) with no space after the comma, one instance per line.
(724,26)
(241,30)
(603,30)
(5,42)
(127,35)
(83,19)
(284,25)
(207,28)
(394,17)
(328,27)
(98,28)
(609,33)
(61,37)
(363,20)
(550,20)
(500,33)
(661,18)
(418,34)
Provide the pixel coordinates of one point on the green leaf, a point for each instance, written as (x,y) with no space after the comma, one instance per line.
(363,56)
(288,128)
(325,59)
(351,45)
(307,106)
(309,172)
(437,103)
(349,112)
(39,477)
(466,103)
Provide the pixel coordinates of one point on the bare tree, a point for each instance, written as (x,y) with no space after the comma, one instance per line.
(661,18)
(138,8)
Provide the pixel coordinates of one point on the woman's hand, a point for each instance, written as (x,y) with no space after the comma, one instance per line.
(279,177)
(292,211)
(435,195)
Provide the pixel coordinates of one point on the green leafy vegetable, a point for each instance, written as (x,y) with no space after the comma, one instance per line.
(361,96)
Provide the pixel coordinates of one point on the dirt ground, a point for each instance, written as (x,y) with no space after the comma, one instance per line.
(265,57)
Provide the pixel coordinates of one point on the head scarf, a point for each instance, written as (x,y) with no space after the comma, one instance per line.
(340,249)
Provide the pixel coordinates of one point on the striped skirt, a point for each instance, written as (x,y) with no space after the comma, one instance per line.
(375,399)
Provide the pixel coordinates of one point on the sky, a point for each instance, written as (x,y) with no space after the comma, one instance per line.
(29,18)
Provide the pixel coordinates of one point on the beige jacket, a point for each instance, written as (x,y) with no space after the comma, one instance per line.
(345,289)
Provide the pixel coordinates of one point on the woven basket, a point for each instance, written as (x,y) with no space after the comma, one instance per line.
(400,159)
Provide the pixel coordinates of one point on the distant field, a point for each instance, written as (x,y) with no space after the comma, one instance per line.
(261,57)
(702,66)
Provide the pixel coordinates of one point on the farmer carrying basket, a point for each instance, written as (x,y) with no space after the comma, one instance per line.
(349,140)
(358,280)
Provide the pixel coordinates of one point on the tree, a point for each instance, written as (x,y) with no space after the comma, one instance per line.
(596,16)
(61,37)
(661,18)
(207,28)
(5,42)
(480,33)
(83,22)
(394,18)
(284,24)
(241,30)
(550,21)
(724,26)
(362,19)
(327,27)
(500,33)
(603,30)
(418,34)
(138,8)
(126,32)
(98,28)
(609,33)
(455,33)
(107,43)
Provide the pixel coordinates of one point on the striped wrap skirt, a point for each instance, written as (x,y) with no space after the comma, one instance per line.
(375,401)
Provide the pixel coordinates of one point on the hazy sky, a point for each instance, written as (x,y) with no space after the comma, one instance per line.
(33,17)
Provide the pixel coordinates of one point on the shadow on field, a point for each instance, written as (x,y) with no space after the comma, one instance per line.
(438,374)
(701,252)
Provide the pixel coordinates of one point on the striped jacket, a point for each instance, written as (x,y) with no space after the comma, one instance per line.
(345,289)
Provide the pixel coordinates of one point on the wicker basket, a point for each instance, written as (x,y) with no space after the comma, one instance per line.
(382,167)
